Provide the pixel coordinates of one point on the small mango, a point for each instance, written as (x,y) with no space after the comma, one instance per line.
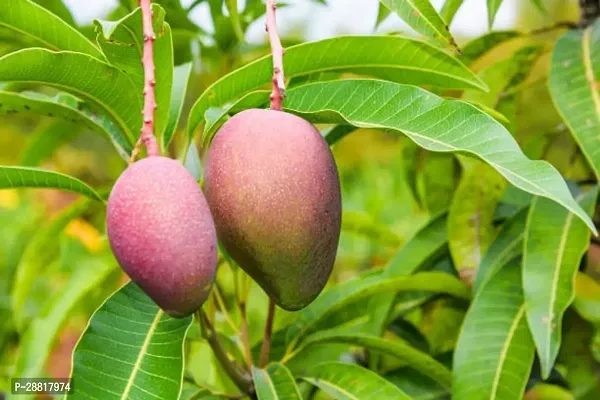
(273,189)
(162,233)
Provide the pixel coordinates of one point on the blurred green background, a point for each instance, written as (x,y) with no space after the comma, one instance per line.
(385,200)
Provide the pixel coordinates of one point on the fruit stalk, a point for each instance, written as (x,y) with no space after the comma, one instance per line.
(277,50)
(241,379)
(266,345)
(147,132)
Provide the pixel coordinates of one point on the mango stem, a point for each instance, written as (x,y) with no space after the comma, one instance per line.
(265,349)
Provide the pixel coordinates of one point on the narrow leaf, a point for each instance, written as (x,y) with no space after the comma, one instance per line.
(539,4)
(477,47)
(574,73)
(492,7)
(352,382)
(415,385)
(382,13)
(427,243)
(181,77)
(46,138)
(422,17)
(411,61)
(26,177)
(338,133)
(449,10)
(417,360)
(470,219)
(587,298)
(555,241)
(40,251)
(107,87)
(334,300)
(131,349)
(507,245)
(69,109)
(434,124)
(364,225)
(37,342)
(122,43)
(215,116)
(274,383)
(58,8)
(29,20)
(494,354)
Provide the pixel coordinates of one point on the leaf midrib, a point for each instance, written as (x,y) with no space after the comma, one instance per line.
(434,28)
(332,386)
(504,352)
(496,166)
(140,358)
(561,252)
(117,118)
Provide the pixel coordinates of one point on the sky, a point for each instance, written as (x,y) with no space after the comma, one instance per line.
(338,18)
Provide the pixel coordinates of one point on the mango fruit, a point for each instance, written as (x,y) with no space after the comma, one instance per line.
(162,233)
(273,189)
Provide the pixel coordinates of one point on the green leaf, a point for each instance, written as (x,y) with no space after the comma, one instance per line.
(363,224)
(427,243)
(69,109)
(123,42)
(46,138)
(193,163)
(131,349)
(352,382)
(275,382)
(181,77)
(587,298)
(37,342)
(574,73)
(337,133)
(417,360)
(58,8)
(539,4)
(422,17)
(411,61)
(549,392)
(26,177)
(470,219)
(336,299)
(436,179)
(507,245)
(503,74)
(40,251)
(492,7)
(575,356)
(215,116)
(83,75)
(382,13)
(495,350)
(34,22)
(449,10)
(415,385)
(554,243)
(434,124)
(477,47)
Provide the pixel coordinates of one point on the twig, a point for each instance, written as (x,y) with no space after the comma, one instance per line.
(147,131)
(278,93)
(239,377)
(244,334)
(555,26)
(265,349)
